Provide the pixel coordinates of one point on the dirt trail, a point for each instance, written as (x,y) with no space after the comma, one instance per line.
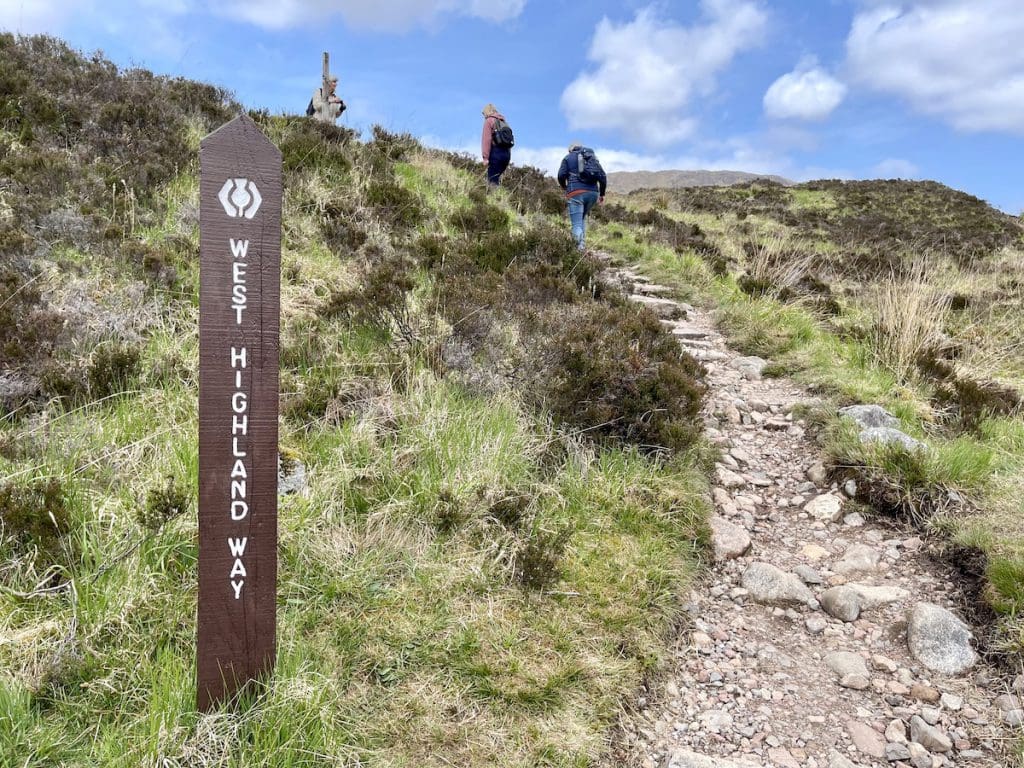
(768,675)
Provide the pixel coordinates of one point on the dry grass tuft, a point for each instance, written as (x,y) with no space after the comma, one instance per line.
(909,314)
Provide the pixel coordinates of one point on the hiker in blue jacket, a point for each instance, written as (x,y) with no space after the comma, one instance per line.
(584,182)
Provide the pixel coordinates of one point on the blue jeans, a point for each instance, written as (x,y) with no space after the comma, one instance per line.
(497,162)
(579,206)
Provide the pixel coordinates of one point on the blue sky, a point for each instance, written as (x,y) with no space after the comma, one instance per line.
(926,89)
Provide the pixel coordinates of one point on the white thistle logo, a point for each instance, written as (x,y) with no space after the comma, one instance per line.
(240,197)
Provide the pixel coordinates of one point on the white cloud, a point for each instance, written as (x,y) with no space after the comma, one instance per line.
(961,60)
(378,14)
(806,93)
(896,168)
(649,69)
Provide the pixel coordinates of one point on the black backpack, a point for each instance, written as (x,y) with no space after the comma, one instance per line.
(310,110)
(588,167)
(501,134)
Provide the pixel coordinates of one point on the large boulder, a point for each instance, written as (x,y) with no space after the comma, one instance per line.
(940,640)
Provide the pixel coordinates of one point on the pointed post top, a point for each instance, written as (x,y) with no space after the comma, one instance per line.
(243,132)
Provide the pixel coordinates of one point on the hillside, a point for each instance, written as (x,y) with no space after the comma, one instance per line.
(485,516)
(503,465)
(624,182)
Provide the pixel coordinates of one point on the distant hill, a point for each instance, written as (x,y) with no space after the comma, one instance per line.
(627,181)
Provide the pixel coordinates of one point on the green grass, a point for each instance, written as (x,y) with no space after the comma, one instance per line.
(391,631)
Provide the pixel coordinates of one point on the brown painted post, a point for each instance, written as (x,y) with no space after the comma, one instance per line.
(239,318)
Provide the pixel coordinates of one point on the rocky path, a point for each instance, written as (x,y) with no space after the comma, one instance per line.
(820,638)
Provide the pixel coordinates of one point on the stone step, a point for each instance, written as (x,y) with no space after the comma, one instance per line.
(709,355)
(663,308)
(651,289)
(690,332)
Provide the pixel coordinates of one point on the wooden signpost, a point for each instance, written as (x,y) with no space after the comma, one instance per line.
(239,319)
(326,117)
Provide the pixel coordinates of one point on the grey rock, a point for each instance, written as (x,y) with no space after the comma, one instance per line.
(817,474)
(771,586)
(751,367)
(827,507)
(868,416)
(855,682)
(716,721)
(727,478)
(1014,718)
(866,739)
(815,624)
(853,520)
(972,754)
(837,760)
(850,488)
(667,309)
(730,541)
(872,597)
(952,702)
(890,436)
(940,640)
(859,558)
(894,752)
(684,758)
(291,477)
(919,756)
(841,603)
(846,663)
(896,732)
(807,574)
(928,736)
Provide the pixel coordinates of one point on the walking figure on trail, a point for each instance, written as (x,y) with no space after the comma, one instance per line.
(496,144)
(326,108)
(584,182)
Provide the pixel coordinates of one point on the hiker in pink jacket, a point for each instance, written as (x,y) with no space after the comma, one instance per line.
(495,144)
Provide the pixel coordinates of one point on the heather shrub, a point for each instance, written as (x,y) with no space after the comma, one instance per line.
(36,520)
(539,556)
(307,143)
(163,503)
(614,372)
(28,328)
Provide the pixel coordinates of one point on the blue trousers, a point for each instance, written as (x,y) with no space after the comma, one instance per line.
(579,206)
(497,162)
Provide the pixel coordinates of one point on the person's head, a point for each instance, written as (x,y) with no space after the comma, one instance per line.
(332,82)
(573,146)
(489,109)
